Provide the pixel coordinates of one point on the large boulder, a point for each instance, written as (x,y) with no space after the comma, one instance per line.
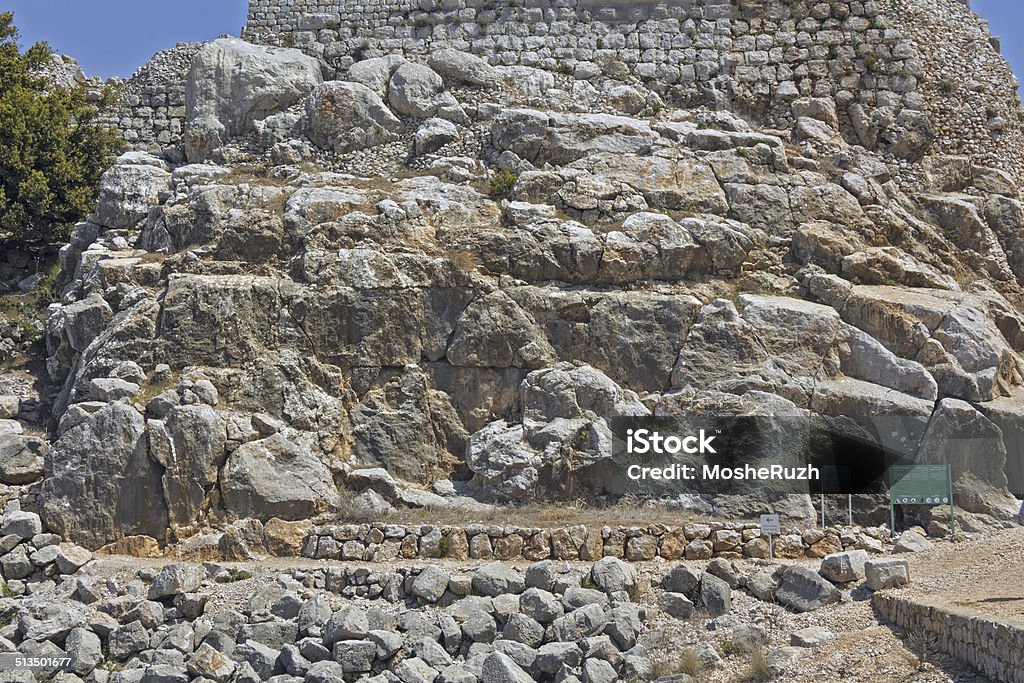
(129,189)
(274,477)
(344,117)
(887,573)
(418,91)
(804,590)
(190,444)
(22,458)
(844,567)
(375,73)
(99,468)
(463,67)
(974,448)
(234,84)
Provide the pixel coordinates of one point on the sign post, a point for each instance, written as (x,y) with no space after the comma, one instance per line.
(920,485)
(770,525)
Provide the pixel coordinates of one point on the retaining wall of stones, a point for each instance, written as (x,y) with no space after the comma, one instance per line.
(384,542)
(751,55)
(990,645)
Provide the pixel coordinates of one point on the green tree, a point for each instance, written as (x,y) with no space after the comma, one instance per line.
(53,147)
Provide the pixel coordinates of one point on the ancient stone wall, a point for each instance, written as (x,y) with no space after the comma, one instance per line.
(152,112)
(743,54)
(887,60)
(990,645)
(384,542)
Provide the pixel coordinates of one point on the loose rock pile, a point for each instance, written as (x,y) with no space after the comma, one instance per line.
(553,621)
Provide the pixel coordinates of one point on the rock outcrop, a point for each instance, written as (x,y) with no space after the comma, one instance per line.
(460,271)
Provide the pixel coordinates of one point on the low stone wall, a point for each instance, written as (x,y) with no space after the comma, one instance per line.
(992,646)
(383,542)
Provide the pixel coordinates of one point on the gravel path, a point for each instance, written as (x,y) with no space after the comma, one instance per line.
(986,574)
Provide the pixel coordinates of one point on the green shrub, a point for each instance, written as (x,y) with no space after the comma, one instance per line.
(234,575)
(52,147)
(502,184)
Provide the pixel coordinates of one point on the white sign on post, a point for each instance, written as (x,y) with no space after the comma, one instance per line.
(770,526)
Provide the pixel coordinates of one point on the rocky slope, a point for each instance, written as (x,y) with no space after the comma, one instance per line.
(463,272)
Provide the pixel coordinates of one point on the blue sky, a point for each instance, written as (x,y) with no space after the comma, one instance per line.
(114,37)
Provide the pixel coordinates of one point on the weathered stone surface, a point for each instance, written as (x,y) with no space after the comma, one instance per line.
(91,496)
(886,573)
(235,84)
(844,567)
(345,117)
(462,67)
(273,477)
(803,590)
(129,189)
(176,579)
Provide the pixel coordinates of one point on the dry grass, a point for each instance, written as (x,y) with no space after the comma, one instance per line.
(757,670)
(465,260)
(672,662)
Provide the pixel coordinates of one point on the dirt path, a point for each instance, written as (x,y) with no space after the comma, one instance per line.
(986,575)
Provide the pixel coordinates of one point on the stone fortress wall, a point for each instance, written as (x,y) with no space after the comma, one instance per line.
(769,51)
(883,61)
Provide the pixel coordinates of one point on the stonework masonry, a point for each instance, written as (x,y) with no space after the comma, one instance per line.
(380,542)
(882,61)
(886,63)
(990,645)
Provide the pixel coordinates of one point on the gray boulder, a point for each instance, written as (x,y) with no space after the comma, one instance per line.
(432,135)
(463,67)
(21,523)
(803,590)
(416,90)
(844,567)
(499,668)
(375,73)
(978,463)
(911,542)
(22,458)
(810,636)
(431,584)
(715,595)
(129,189)
(273,477)
(348,623)
(85,650)
(234,83)
(886,573)
(612,575)
(344,117)
(497,579)
(99,466)
(176,579)
(681,579)
(675,604)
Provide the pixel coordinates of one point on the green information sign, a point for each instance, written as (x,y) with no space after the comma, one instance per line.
(920,485)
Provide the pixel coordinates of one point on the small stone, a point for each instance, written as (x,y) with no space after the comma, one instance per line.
(810,636)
